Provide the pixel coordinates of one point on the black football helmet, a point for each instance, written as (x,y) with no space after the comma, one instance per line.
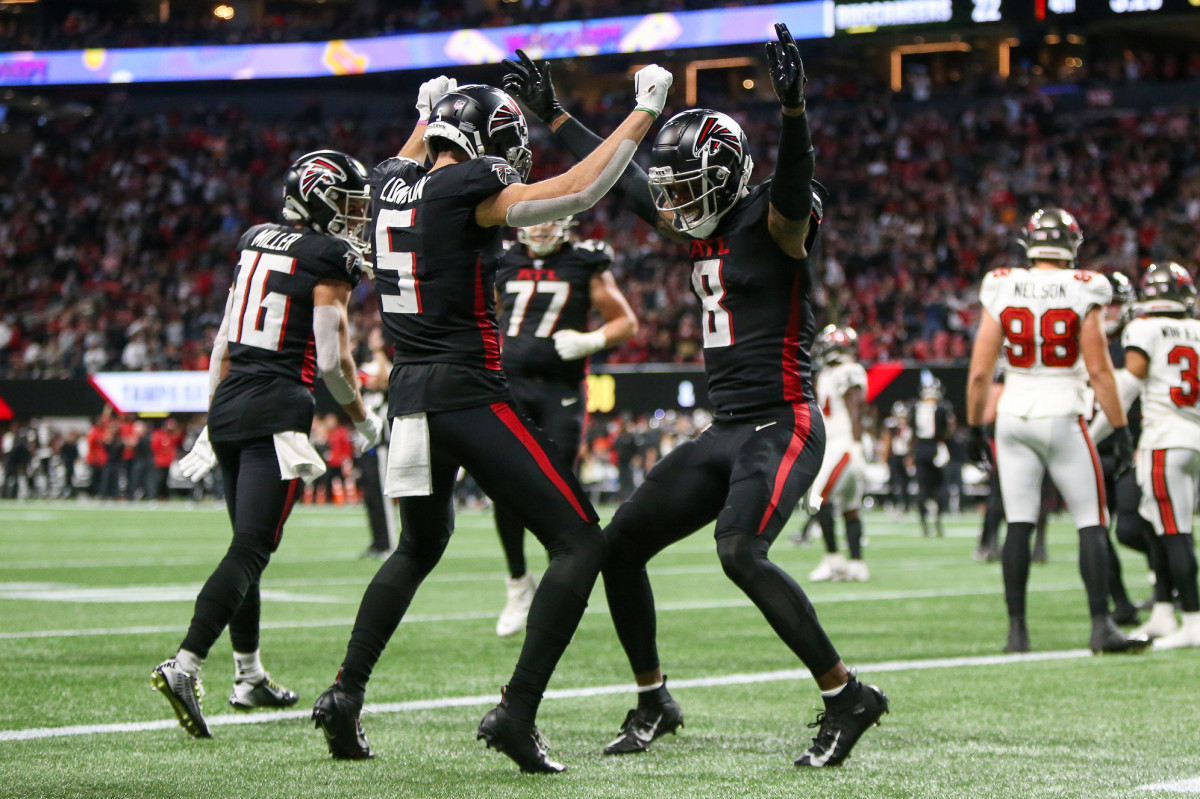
(329,191)
(1167,288)
(835,345)
(1120,310)
(1051,234)
(482,120)
(700,167)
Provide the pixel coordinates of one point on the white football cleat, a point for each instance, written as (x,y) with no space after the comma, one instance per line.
(856,572)
(831,569)
(520,597)
(1161,622)
(1187,635)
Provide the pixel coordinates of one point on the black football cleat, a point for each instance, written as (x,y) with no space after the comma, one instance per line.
(183,691)
(336,714)
(1018,637)
(265,693)
(841,729)
(644,725)
(520,740)
(1107,639)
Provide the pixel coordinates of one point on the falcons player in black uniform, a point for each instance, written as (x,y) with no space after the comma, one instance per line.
(547,285)
(751,268)
(285,316)
(449,403)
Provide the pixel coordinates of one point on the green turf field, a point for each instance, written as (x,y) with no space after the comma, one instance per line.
(92,598)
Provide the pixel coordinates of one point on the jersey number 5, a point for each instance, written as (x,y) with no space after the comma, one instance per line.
(710,288)
(404,264)
(261,315)
(1059,333)
(1185,395)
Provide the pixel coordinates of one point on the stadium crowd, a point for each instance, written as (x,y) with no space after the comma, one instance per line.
(116,234)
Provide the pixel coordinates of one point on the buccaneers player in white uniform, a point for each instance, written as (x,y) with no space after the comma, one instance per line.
(1049,319)
(1162,353)
(841,392)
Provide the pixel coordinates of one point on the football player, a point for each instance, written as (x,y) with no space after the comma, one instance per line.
(841,395)
(1049,320)
(897,443)
(450,407)
(1162,352)
(932,420)
(548,284)
(752,271)
(285,317)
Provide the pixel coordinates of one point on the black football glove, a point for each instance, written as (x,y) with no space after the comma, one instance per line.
(533,86)
(787,70)
(979,449)
(1122,452)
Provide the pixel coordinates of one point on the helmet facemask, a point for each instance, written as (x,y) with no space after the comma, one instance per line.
(545,238)
(692,198)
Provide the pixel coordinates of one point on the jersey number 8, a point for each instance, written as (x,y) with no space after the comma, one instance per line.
(1059,334)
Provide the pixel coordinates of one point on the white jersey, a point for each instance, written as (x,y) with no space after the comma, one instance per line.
(832,384)
(1171,391)
(1041,312)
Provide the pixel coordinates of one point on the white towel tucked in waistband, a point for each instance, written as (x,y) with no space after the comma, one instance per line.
(297,457)
(408,473)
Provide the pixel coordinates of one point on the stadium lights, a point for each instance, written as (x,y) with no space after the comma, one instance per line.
(223,12)
(898,54)
(694,67)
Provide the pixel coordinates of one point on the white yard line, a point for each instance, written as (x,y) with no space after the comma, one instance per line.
(1180,786)
(572,693)
(412,618)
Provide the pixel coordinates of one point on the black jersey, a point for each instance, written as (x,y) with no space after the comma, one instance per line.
(436,295)
(930,422)
(544,295)
(757,316)
(1134,414)
(271,349)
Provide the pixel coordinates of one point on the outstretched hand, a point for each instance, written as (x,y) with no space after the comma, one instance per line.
(787,70)
(533,86)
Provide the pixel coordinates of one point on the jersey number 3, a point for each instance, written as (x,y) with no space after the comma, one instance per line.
(1186,394)
(1059,334)
(710,288)
(260,314)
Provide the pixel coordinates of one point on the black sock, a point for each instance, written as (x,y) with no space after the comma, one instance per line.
(512,539)
(1181,555)
(223,593)
(651,699)
(847,697)
(992,516)
(1093,567)
(1164,585)
(1014,560)
(1116,585)
(824,518)
(854,538)
(243,627)
(553,618)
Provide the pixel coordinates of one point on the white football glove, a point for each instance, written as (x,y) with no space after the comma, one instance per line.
(370,433)
(571,345)
(430,92)
(200,460)
(650,85)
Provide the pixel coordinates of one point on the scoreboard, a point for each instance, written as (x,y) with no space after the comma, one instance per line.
(853,16)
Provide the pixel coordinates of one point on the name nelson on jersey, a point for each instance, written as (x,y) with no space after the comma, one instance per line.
(1034,291)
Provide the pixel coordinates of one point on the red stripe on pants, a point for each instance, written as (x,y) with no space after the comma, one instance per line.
(287,509)
(800,430)
(506,415)
(1099,473)
(1158,482)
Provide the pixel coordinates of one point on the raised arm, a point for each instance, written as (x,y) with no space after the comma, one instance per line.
(533,85)
(582,186)
(427,97)
(791,191)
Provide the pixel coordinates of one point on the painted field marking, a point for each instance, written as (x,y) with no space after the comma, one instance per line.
(413,618)
(1181,786)
(570,693)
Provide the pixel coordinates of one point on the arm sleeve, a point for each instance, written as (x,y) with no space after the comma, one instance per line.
(534,212)
(791,188)
(220,347)
(633,187)
(326,324)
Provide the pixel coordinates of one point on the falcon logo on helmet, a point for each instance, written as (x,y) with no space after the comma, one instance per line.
(480,120)
(505,115)
(713,135)
(319,171)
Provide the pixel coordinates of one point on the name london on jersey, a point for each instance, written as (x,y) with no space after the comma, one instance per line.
(398,192)
(1037,291)
(275,240)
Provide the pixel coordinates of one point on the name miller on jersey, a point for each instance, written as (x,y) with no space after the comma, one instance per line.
(1042,292)
(397,191)
(275,240)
